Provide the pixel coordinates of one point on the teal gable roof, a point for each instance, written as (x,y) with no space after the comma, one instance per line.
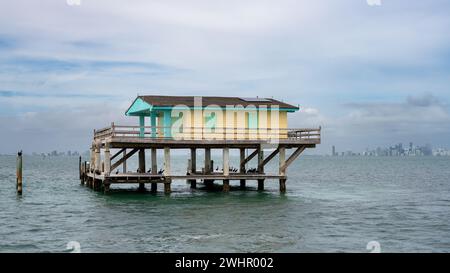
(138,108)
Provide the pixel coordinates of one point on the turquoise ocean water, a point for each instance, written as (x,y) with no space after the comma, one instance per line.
(332,205)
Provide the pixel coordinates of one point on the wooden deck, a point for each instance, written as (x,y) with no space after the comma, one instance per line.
(127,141)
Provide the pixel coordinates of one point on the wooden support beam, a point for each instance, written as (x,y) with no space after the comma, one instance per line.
(292,158)
(107,161)
(250,157)
(226,161)
(260,160)
(166,161)
(168,181)
(154,161)
(117,154)
(193,168)
(123,159)
(282,160)
(98,164)
(267,160)
(141,160)
(92,159)
(193,159)
(208,160)
(260,168)
(124,164)
(141,168)
(242,166)
(241,161)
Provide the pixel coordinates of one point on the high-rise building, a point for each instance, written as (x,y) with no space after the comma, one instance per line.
(333,151)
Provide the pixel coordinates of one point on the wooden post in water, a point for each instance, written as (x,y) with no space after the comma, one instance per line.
(106,186)
(19,186)
(282,171)
(260,168)
(154,186)
(168,180)
(226,169)
(80,172)
(242,167)
(83,176)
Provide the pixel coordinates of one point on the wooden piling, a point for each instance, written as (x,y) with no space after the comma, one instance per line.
(106,186)
(208,160)
(282,170)
(282,185)
(124,164)
(154,162)
(154,187)
(193,168)
(83,174)
(242,166)
(193,160)
(208,183)
(226,169)
(141,167)
(107,160)
(226,185)
(167,188)
(92,159)
(19,181)
(80,171)
(141,161)
(154,158)
(98,164)
(260,168)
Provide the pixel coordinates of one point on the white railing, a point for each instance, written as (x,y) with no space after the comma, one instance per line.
(202,133)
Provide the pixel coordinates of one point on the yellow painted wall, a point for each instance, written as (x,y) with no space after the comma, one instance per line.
(239,128)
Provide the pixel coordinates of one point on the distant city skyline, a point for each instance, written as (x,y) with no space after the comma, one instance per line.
(396,150)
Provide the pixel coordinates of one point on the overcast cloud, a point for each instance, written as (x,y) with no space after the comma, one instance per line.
(369,75)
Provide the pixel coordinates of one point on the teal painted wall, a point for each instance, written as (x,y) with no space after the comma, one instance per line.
(139,107)
(142,124)
(167,123)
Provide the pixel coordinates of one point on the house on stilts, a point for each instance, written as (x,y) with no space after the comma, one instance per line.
(250,125)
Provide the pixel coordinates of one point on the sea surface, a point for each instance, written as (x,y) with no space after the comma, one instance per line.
(331,205)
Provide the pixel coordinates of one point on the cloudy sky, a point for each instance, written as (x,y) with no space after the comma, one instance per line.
(370,75)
